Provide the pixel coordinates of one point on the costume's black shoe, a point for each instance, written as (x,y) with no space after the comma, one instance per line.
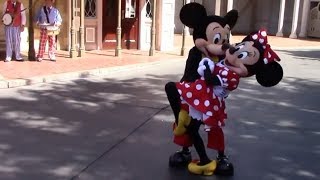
(224,167)
(180,159)
(20,60)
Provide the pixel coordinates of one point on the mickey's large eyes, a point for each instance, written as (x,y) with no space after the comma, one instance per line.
(243,55)
(216,38)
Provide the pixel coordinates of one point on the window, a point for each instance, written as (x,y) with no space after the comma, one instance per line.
(149,9)
(90,9)
(130,9)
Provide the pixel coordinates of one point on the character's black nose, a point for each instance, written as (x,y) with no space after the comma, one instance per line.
(232,50)
(225,46)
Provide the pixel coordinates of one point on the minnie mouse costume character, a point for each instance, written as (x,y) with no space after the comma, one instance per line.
(199,99)
(211,38)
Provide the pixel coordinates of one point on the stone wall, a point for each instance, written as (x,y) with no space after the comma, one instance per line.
(261,13)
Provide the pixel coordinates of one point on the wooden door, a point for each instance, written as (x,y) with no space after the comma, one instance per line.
(145,25)
(167,24)
(129,24)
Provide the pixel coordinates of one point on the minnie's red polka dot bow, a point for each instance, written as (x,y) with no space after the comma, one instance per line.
(269,54)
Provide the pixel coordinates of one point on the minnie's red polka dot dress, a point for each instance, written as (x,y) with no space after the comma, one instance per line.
(200,100)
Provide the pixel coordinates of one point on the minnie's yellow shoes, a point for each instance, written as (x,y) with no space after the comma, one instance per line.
(183,121)
(206,170)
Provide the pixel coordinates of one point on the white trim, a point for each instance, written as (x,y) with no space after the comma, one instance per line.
(90,32)
(130,40)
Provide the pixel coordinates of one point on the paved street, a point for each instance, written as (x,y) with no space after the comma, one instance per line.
(118,127)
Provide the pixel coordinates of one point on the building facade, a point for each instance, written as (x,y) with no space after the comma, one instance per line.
(101,18)
(100,23)
(290,18)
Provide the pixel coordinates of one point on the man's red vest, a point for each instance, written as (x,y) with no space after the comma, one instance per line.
(15,11)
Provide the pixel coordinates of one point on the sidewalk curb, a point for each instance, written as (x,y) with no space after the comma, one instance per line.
(12,83)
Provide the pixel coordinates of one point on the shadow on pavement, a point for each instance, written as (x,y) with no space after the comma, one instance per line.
(303,54)
(123,128)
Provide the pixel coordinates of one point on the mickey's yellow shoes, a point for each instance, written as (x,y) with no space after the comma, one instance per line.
(183,121)
(206,170)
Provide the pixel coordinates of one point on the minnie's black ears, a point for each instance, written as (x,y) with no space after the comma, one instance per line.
(231,18)
(192,14)
(247,38)
(270,75)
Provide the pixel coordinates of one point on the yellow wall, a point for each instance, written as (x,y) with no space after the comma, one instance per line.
(64,33)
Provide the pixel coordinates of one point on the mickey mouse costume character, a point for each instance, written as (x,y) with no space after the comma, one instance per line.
(211,38)
(253,56)
(210,35)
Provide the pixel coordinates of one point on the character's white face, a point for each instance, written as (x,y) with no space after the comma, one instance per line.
(216,37)
(217,34)
(242,54)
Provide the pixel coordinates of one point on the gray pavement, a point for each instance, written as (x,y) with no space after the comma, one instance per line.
(118,127)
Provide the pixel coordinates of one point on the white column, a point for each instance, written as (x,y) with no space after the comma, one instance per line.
(281,17)
(153,29)
(304,21)
(229,8)
(73,50)
(295,19)
(81,29)
(218,8)
(230,5)
(100,24)
(185,28)
(118,47)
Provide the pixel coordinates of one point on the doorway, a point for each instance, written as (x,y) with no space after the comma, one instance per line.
(129,24)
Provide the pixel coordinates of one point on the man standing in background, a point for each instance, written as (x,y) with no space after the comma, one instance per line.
(47,15)
(13,31)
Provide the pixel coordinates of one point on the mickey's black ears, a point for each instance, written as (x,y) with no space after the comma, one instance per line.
(192,14)
(270,75)
(231,18)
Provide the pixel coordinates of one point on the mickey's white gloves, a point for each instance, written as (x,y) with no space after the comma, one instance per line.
(202,67)
(221,91)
